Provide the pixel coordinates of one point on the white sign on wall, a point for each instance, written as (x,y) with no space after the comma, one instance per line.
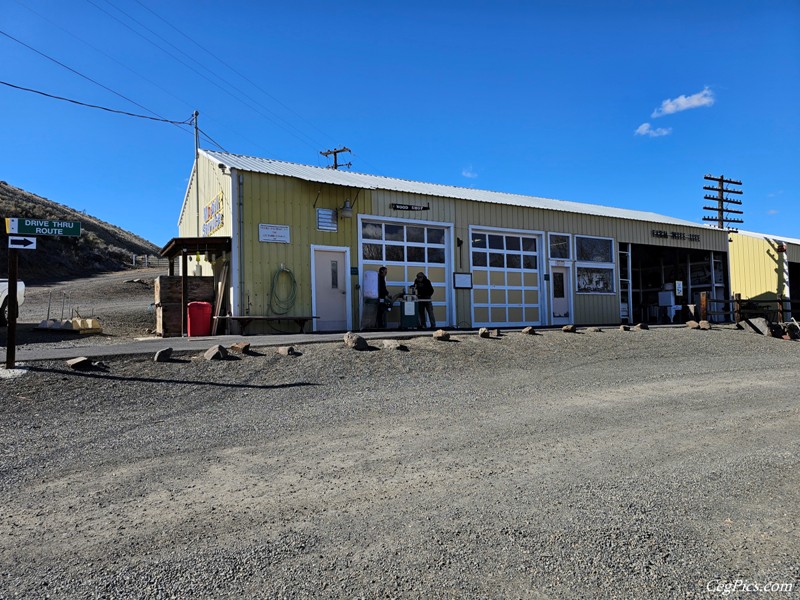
(273,233)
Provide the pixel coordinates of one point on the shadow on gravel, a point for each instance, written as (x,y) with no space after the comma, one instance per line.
(254,353)
(104,375)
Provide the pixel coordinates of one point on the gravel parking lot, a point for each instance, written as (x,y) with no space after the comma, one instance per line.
(640,464)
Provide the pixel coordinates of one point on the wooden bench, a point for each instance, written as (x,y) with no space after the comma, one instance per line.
(247,319)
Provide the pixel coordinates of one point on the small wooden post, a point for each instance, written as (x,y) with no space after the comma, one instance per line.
(13,308)
(737,308)
(780,309)
(184,291)
(703,306)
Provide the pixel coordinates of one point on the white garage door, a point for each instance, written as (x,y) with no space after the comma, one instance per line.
(405,249)
(505,278)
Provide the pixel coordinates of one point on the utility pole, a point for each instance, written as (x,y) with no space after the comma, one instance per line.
(196,169)
(335,153)
(721,209)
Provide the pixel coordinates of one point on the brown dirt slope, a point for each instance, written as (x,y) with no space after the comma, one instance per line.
(101,247)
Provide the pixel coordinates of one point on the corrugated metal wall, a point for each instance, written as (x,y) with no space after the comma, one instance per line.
(757,268)
(589,308)
(275,200)
(214,199)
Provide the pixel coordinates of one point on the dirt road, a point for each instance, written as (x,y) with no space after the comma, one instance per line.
(652,464)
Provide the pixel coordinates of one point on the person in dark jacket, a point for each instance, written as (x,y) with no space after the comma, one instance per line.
(424,289)
(384,298)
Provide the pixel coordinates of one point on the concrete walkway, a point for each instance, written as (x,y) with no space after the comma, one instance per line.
(32,352)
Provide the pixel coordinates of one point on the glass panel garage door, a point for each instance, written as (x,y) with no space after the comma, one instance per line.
(406,249)
(505,278)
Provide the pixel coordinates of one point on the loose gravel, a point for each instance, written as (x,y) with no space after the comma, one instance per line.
(639,464)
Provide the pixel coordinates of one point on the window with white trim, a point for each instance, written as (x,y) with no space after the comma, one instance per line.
(594,268)
(400,243)
(559,246)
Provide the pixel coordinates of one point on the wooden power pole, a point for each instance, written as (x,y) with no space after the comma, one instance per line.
(721,209)
(335,153)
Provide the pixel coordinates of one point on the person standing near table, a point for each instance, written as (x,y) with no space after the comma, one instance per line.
(383,298)
(424,289)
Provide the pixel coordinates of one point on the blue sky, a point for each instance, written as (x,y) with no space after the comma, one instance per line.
(620,103)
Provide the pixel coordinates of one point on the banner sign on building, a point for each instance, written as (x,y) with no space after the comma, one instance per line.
(213,216)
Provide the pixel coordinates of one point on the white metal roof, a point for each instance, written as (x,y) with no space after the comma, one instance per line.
(769,236)
(376,182)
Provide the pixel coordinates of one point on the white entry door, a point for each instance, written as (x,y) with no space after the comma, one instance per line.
(331,295)
(560,296)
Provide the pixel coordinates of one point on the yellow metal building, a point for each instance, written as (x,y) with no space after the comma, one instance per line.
(764,267)
(305,241)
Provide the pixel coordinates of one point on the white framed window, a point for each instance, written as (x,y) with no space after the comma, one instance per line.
(403,243)
(594,265)
(560,246)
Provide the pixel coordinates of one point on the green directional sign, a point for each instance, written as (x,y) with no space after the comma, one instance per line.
(43,227)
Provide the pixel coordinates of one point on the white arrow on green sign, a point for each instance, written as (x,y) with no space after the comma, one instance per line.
(41,227)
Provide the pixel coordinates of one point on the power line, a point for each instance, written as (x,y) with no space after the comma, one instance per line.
(111,110)
(101,51)
(210,139)
(231,68)
(50,58)
(274,118)
(138,74)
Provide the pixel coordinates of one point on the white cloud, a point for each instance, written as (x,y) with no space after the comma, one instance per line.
(681,103)
(469,173)
(645,129)
(772,211)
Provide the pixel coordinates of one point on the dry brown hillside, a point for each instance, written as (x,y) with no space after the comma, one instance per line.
(101,247)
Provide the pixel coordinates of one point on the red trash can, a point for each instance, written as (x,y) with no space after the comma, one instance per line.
(198,321)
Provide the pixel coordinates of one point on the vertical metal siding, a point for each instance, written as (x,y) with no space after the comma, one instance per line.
(278,200)
(213,183)
(589,308)
(755,272)
(281,200)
